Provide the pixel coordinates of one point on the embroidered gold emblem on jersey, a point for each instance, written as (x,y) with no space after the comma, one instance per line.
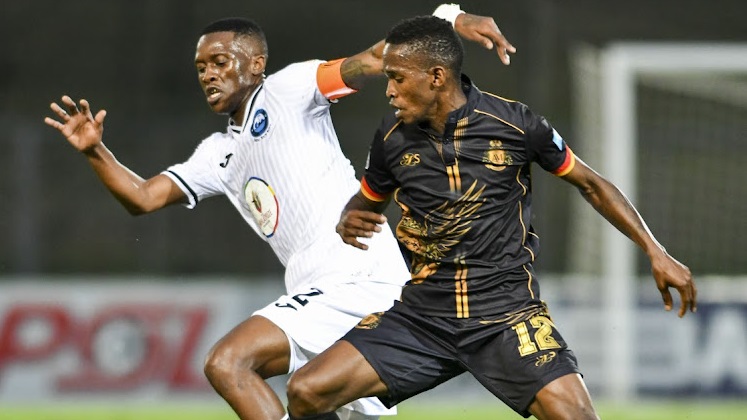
(410,159)
(545,358)
(441,230)
(496,158)
(262,203)
(370,321)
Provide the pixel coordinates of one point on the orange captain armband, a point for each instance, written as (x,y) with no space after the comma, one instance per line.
(371,194)
(329,80)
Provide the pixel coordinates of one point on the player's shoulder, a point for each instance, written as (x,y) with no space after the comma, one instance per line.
(303,72)
(505,106)
(509,110)
(217,136)
(392,127)
(213,140)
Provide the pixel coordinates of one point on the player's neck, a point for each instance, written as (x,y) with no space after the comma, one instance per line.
(239,116)
(448,102)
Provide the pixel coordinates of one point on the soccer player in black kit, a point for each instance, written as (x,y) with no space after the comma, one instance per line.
(457,162)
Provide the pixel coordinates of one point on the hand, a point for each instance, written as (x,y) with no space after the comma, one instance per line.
(668,272)
(79,127)
(484,31)
(356,224)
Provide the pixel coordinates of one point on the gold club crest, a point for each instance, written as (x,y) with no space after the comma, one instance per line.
(496,158)
(370,321)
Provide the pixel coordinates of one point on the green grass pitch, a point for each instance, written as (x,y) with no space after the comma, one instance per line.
(410,410)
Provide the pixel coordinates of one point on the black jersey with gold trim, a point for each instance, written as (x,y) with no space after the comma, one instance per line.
(466,202)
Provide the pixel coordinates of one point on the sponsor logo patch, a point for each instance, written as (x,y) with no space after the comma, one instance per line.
(410,159)
(557,139)
(263,204)
(260,124)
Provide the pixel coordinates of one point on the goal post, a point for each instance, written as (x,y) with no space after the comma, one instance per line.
(607,118)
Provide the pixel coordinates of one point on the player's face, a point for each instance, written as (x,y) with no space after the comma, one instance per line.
(229,68)
(409,87)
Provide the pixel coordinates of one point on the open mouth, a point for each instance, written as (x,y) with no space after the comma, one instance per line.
(397,110)
(213,94)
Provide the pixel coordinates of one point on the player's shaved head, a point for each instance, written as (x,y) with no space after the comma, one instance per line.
(239,26)
(430,40)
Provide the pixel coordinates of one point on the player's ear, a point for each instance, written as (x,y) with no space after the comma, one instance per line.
(438,76)
(258,64)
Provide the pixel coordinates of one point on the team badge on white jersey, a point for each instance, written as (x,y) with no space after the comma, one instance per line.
(263,204)
(260,125)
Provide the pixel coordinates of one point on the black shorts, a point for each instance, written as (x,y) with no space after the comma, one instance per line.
(413,353)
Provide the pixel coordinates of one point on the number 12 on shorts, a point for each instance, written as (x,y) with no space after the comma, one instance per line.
(542,339)
(300,299)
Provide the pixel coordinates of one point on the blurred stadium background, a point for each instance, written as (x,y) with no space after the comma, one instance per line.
(106,316)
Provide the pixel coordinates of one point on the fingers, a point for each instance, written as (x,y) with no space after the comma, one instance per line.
(496,37)
(356,224)
(694,302)
(53,123)
(485,31)
(667,297)
(85,109)
(59,111)
(64,115)
(504,47)
(100,116)
(689,296)
(72,109)
(503,53)
(357,228)
(354,242)
(348,238)
(683,307)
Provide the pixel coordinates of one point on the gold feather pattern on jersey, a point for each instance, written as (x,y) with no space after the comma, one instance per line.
(442,229)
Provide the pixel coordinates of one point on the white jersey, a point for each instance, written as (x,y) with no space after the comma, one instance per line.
(284,171)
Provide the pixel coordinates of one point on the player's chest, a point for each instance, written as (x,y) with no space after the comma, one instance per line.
(433,162)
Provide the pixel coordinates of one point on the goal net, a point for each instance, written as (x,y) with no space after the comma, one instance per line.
(667,123)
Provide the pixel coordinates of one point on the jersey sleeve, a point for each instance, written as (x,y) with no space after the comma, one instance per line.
(546,146)
(329,80)
(195,176)
(378,182)
(309,86)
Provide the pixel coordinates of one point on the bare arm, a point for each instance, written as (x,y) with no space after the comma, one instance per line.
(84,132)
(611,203)
(360,218)
(359,68)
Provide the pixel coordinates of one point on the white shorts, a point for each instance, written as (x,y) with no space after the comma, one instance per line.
(316,318)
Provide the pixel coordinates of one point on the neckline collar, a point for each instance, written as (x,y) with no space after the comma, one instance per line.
(236,128)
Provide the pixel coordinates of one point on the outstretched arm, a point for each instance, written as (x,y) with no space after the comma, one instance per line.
(360,218)
(359,68)
(84,132)
(611,203)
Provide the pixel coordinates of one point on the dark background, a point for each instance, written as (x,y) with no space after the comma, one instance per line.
(134,58)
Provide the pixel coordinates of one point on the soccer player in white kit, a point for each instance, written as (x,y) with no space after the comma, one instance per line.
(280,164)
